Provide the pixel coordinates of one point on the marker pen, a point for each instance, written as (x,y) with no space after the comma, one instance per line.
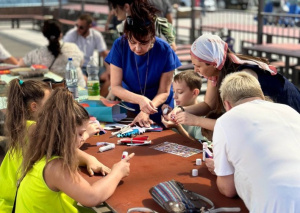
(124,155)
(107,147)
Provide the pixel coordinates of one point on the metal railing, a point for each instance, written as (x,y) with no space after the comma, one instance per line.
(240,25)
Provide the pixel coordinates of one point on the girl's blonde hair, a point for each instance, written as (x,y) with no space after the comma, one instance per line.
(19,97)
(55,133)
(238,86)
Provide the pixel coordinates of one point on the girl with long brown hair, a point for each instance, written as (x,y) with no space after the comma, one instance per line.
(24,101)
(50,166)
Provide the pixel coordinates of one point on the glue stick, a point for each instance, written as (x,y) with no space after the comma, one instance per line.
(205,145)
(107,147)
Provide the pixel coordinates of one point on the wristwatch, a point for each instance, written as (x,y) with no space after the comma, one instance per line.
(182,109)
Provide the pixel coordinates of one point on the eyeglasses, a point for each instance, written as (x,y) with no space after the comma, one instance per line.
(79,27)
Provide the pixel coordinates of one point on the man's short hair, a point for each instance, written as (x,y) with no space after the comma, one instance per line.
(191,78)
(86,17)
(238,86)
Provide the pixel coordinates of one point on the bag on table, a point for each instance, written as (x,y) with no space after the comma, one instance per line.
(173,197)
(102,112)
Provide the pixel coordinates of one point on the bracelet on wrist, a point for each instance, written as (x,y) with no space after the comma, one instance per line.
(182,109)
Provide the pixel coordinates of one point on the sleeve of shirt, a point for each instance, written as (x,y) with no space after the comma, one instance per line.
(168,6)
(115,54)
(4,54)
(171,60)
(222,166)
(100,43)
(166,29)
(31,57)
(69,36)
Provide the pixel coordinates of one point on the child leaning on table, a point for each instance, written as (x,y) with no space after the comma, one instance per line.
(50,167)
(186,86)
(24,101)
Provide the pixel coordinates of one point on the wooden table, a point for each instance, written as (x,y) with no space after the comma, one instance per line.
(150,167)
(286,50)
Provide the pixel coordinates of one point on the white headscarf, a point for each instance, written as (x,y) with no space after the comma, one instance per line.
(212,49)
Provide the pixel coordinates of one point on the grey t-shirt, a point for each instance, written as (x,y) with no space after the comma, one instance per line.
(164,6)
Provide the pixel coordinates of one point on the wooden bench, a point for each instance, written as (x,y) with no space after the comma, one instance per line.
(15,19)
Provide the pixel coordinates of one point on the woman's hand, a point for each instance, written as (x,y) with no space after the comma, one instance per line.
(146,105)
(185,118)
(93,165)
(142,119)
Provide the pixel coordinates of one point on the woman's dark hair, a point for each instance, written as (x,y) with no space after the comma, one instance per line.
(141,23)
(52,31)
(230,67)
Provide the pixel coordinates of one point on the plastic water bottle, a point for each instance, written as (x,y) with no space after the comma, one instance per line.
(72,78)
(93,82)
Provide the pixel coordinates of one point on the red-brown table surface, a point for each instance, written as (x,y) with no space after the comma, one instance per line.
(150,167)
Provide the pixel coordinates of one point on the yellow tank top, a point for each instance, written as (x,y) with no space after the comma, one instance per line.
(43,199)
(9,174)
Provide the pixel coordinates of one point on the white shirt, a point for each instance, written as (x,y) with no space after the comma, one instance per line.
(4,54)
(94,41)
(43,56)
(259,142)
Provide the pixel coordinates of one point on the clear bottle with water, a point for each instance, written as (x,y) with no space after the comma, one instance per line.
(72,78)
(93,82)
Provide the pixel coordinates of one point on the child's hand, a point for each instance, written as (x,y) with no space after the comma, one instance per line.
(168,124)
(122,167)
(93,165)
(93,127)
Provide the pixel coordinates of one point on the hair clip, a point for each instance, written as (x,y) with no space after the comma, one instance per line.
(21,82)
(129,20)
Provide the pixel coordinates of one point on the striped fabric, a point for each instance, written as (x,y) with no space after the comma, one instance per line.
(170,191)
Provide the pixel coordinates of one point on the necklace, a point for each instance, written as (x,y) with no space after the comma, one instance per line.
(137,70)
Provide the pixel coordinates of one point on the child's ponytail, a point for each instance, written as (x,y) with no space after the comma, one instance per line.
(20,95)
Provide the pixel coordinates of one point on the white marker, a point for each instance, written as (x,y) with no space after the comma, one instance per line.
(124,155)
(107,147)
(165,111)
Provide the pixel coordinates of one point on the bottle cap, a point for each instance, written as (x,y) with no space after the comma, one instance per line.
(195,172)
(198,162)
(70,59)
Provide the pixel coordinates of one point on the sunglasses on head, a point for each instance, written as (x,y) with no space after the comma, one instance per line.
(130,22)
(79,27)
(54,84)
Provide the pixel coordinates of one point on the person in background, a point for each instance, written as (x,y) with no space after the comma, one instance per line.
(55,55)
(50,168)
(256,148)
(186,88)
(142,66)
(6,57)
(165,8)
(24,101)
(213,60)
(88,39)
(122,9)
